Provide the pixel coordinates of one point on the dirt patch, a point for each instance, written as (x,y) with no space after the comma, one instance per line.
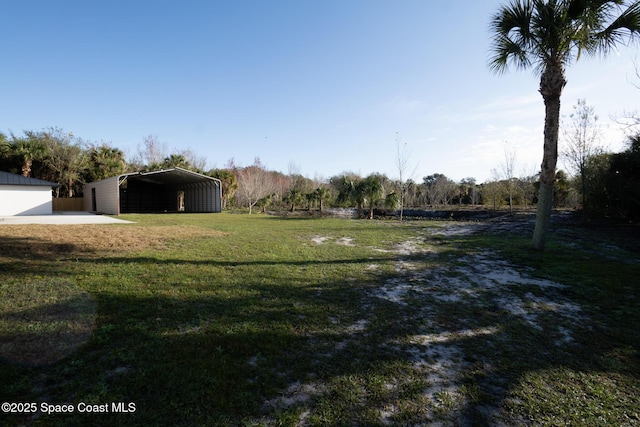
(54,241)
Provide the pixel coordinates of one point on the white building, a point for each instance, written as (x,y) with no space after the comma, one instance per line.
(24,196)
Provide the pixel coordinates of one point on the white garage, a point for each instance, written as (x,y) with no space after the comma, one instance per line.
(24,196)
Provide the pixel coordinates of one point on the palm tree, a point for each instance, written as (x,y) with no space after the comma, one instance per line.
(547,35)
(350,189)
(295,198)
(322,194)
(28,149)
(176,161)
(106,161)
(392,201)
(371,189)
(310,197)
(229,184)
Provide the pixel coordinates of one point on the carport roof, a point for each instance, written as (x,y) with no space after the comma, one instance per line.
(7,178)
(173,176)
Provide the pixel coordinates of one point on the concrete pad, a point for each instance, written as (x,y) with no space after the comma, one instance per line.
(63,218)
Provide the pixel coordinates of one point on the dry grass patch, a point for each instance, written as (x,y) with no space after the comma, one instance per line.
(51,241)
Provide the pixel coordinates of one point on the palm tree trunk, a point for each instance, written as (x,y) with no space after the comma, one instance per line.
(551,85)
(26,167)
(70,190)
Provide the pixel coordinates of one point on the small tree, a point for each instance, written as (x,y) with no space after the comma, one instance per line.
(493,191)
(581,138)
(402,163)
(508,170)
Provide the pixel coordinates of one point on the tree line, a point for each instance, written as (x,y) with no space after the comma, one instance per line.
(602,183)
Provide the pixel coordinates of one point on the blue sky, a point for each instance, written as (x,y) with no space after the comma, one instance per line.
(325,85)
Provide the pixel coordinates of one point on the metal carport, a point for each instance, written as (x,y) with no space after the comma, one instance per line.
(167,190)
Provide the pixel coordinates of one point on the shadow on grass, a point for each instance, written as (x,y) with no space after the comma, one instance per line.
(276,354)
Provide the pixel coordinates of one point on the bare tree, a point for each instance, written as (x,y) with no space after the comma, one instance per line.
(631,119)
(197,162)
(296,180)
(402,163)
(581,138)
(152,151)
(508,171)
(254,183)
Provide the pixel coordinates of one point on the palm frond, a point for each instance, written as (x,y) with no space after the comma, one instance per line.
(512,40)
(506,52)
(539,33)
(625,27)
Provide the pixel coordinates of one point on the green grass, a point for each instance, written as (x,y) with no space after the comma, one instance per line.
(280,321)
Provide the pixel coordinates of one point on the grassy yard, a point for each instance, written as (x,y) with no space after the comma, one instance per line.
(229,319)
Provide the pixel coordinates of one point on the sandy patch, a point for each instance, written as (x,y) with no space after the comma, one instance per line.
(318,240)
(481,282)
(474,283)
(343,241)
